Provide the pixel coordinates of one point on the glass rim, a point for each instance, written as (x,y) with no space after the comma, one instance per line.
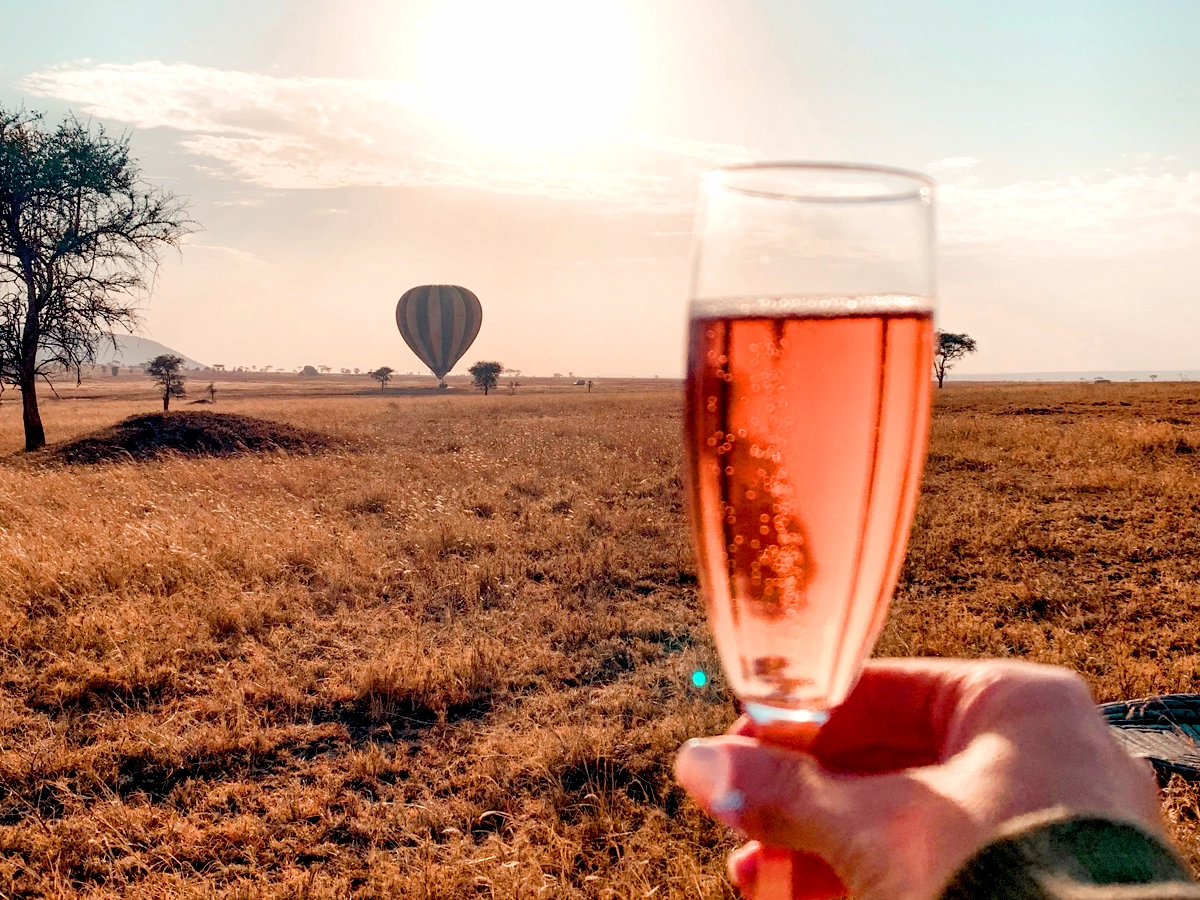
(912,185)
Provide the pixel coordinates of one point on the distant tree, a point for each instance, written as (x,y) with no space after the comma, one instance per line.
(165,370)
(383,375)
(948,350)
(485,375)
(325,370)
(356,371)
(1154,378)
(80,238)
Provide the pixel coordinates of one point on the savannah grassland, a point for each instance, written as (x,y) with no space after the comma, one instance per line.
(451,656)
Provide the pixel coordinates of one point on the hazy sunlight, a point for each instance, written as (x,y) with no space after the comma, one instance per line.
(531,71)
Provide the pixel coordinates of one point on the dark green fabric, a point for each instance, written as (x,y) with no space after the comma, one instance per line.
(1059,857)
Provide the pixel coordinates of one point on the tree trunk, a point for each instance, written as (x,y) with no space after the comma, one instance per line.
(166,399)
(940,375)
(35,434)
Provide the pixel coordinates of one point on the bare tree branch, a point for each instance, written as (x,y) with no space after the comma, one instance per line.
(50,384)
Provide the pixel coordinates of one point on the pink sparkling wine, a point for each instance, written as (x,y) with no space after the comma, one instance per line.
(805,441)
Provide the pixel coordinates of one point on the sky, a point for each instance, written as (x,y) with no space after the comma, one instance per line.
(547,155)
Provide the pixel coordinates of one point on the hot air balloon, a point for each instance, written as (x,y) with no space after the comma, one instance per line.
(439,322)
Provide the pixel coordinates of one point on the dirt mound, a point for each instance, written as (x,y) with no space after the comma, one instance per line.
(191,434)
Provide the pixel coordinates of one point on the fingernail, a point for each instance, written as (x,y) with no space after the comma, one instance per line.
(703,770)
(732,801)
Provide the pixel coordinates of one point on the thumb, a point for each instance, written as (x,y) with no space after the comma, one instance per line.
(867,828)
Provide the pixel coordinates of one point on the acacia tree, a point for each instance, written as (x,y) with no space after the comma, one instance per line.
(383,375)
(486,375)
(165,370)
(80,240)
(949,349)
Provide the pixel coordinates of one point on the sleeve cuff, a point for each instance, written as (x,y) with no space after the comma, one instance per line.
(1056,855)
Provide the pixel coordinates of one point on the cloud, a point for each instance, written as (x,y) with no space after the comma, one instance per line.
(1108,214)
(153,94)
(243,201)
(709,152)
(299,133)
(1142,208)
(954,164)
(233,253)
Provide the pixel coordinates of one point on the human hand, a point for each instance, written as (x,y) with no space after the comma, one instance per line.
(914,774)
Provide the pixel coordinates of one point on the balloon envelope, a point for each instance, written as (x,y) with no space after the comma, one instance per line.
(439,322)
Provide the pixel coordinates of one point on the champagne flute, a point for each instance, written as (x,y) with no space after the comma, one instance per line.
(807,409)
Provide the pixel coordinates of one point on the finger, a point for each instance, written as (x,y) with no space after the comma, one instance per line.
(785,799)
(789,735)
(744,726)
(891,720)
(812,878)
(742,866)
(798,736)
(896,717)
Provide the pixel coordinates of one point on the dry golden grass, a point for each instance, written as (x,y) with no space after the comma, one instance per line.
(455,660)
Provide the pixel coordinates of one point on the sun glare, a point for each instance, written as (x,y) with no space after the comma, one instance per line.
(529,72)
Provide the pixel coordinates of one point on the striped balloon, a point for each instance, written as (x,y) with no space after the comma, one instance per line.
(439,322)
